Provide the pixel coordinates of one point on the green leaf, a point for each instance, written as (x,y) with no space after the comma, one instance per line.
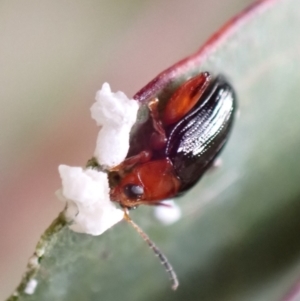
(238,238)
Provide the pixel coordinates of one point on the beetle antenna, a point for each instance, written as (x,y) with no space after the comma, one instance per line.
(163,259)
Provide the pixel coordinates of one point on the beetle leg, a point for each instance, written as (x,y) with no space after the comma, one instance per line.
(158,203)
(157,124)
(128,163)
(158,138)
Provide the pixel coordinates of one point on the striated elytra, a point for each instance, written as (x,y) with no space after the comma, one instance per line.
(196,140)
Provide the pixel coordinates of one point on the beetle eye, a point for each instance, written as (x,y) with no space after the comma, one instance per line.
(133,191)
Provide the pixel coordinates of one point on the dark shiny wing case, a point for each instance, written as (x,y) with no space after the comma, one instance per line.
(195,141)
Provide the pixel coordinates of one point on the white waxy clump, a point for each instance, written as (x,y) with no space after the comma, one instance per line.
(86,191)
(31,286)
(89,208)
(168,214)
(116,114)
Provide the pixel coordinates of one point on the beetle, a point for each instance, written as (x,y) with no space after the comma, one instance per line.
(186,136)
(180,144)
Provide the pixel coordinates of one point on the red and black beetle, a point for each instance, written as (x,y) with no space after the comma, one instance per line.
(185,137)
(176,146)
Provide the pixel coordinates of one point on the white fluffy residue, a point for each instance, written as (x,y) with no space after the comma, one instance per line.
(89,208)
(86,191)
(168,214)
(116,114)
(31,286)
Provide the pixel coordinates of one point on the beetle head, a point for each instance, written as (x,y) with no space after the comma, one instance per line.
(147,183)
(129,192)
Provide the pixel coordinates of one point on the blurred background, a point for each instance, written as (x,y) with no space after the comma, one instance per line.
(54,56)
